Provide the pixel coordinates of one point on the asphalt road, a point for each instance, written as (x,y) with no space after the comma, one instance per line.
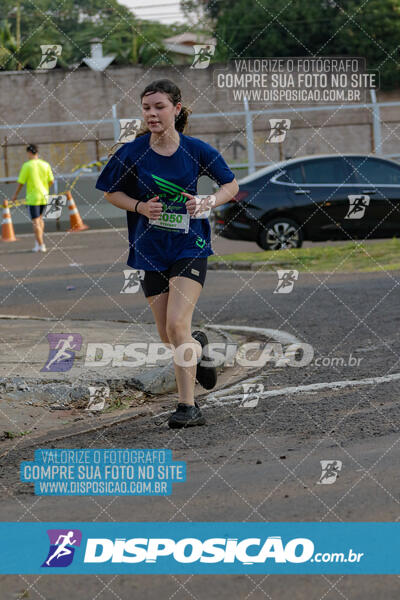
(247,464)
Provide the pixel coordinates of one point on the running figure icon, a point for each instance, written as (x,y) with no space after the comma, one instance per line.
(286,281)
(203,54)
(358,205)
(132,281)
(279,129)
(50,54)
(63,347)
(330,471)
(128,129)
(62,549)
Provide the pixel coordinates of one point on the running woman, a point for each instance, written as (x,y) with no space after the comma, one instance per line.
(154,178)
(38,176)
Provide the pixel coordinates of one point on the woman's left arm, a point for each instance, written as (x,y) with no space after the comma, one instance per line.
(226,192)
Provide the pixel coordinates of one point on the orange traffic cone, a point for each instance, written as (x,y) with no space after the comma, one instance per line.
(7,229)
(74,217)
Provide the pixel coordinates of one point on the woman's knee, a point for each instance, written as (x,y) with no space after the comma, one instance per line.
(176,327)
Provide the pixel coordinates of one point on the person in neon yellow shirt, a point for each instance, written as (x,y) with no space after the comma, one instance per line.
(38,177)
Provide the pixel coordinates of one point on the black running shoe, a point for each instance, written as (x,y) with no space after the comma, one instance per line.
(205,375)
(186,416)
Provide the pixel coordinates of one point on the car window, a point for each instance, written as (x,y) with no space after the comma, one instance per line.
(371,170)
(292,174)
(330,170)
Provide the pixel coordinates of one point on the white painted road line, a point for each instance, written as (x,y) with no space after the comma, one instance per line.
(214,400)
(217,400)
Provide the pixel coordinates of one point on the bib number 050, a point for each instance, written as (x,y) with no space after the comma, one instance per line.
(172,221)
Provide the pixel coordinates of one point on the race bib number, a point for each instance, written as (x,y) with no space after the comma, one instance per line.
(172,221)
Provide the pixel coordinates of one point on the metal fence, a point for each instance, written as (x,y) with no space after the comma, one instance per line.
(248,115)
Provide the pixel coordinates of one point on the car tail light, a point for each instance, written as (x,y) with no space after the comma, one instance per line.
(241,195)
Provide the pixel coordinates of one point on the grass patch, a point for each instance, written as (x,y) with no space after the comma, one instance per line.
(350,256)
(10,435)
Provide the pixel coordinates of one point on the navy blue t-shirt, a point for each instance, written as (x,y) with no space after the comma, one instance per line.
(142,173)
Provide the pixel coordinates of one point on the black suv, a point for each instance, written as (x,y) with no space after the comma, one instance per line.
(323,197)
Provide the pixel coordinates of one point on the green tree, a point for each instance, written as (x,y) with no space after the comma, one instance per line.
(73,23)
(256,28)
(8,47)
(372,30)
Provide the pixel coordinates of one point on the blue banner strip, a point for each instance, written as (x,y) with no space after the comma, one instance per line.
(212,548)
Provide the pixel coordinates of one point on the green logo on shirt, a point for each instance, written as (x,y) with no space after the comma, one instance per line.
(170,191)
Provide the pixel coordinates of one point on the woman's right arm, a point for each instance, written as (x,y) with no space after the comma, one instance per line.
(150,209)
(121,200)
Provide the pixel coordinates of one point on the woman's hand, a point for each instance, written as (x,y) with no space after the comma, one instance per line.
(195,205)
(151,209)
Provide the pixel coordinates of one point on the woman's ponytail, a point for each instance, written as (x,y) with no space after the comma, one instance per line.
(181,120)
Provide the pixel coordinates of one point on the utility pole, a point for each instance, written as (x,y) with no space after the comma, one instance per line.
(136,41)
(18,26)
(134,45)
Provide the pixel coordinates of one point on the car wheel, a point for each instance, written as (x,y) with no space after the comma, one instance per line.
(279,234)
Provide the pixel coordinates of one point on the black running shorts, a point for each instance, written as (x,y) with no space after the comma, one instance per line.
(36,210)
(157,282)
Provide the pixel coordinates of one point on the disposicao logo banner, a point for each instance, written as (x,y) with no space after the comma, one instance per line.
(213,548)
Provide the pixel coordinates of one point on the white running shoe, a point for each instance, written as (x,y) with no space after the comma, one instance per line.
(42,248)
(36,247)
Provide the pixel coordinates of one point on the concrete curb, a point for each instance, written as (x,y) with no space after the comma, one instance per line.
(61,394)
